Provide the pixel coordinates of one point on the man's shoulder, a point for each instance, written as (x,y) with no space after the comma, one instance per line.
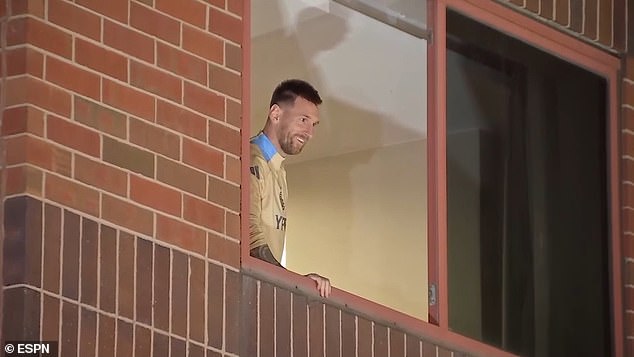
(259,167)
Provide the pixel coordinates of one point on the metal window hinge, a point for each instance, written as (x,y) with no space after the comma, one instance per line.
(432,294)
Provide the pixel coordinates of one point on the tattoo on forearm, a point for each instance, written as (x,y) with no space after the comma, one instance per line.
(263,252)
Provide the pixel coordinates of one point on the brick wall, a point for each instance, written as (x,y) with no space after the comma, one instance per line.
(278,322)
(121,122)
(602,22)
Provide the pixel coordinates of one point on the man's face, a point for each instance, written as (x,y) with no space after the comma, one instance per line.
(296,125)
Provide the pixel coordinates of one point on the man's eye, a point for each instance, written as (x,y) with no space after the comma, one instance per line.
(303,120)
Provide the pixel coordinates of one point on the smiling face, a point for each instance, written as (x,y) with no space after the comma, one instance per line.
(295,124)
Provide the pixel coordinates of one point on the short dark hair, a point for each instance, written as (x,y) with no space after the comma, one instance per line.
(290,89)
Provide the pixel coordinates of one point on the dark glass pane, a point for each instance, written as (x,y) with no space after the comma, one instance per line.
(527,192)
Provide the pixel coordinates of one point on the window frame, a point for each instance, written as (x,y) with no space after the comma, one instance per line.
(513,23)
(550,40)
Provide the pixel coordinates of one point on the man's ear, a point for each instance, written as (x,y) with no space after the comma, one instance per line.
(274,113)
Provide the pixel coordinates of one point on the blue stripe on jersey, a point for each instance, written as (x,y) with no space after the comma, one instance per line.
(265,145)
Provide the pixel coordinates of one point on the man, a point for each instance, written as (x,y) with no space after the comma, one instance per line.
(293,115)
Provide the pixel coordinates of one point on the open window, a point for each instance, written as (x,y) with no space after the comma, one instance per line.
(527,218)
(357,203)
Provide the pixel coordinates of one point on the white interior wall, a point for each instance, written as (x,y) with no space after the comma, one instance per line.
(360,220)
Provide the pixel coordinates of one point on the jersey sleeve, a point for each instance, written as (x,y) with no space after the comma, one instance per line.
(256,226)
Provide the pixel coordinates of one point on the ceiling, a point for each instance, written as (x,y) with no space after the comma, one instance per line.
(371,76)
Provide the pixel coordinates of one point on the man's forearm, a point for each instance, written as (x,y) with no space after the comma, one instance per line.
(263,252)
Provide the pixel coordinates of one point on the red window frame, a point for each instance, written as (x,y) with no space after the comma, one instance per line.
(513,23)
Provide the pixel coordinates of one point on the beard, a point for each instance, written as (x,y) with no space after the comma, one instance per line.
(291,146)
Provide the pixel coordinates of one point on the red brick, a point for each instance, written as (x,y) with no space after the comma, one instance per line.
(628,219)
(236,7)
(125,156)
(197,291)
(115,9)
(225,25)
(628,195)
(128,215)
(629,67)
(224,194)
(223,250)
(218,3)
(605,22)
(155,138)
(73,78)
(590,20)
(203,157)
(106,331)
(17,31)
(629,323)
(157,196)
(629,273)
(24,119)
(225,81)
(100,118)
(628,93)
(204,101)
(74,136)
(72,194)
(234,113)
(155,23)
(180,176)
(101,59)
(628,170)
(267,320)
(156,81)
(181,234)
(190,11)
(203,44)
(203,213)
(181,120)
(546,9)
(233,169)
(74,18)
(21,60)
(532,6)
(232,225)
(628,144)
(24,179)
(128,99)
(32,150)
(233,56)
(181,63)
(629,298)
(628,119)
(31,7)
(561,12)
(628,246)
(23,90)
(131,42)
(224,137)
(39,34)
(105,177)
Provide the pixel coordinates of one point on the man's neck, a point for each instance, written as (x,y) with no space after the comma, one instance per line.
(270,134)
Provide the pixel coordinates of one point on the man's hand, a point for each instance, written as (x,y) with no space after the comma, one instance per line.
(323,284)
